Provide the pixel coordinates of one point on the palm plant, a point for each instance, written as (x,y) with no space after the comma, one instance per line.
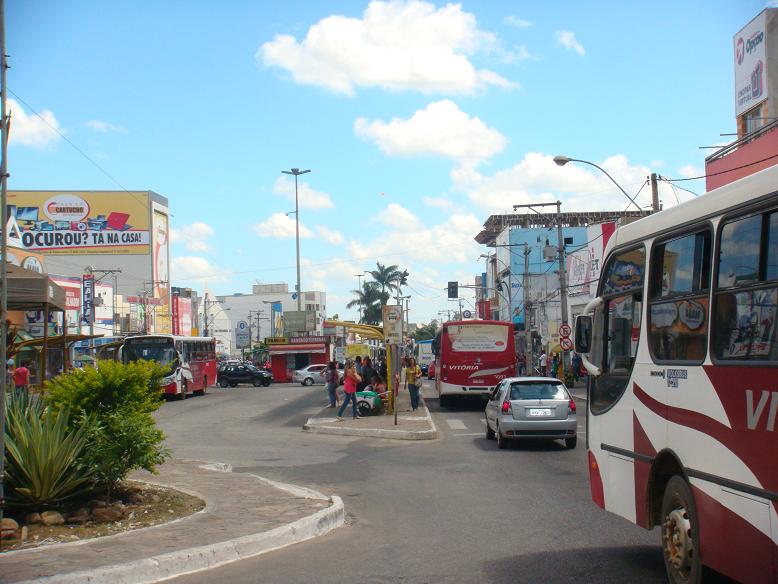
(369,299)
(386,277)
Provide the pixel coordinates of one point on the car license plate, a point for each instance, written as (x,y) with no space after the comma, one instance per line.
(539,412)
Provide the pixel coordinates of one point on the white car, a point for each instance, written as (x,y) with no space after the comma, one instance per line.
(313,374)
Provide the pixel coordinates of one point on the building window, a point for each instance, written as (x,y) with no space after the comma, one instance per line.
(753,119)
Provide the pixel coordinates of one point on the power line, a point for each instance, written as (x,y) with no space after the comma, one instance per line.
(722,171)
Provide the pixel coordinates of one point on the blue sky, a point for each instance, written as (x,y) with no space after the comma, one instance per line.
(418,120)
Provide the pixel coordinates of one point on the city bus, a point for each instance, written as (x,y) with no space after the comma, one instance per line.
(422,352)
(681,345)
(191,361)
(471,357)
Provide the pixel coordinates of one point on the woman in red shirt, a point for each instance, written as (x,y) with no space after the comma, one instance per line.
(350,381)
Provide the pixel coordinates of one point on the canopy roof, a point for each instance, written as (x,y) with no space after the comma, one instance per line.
(367,331)
(28,290)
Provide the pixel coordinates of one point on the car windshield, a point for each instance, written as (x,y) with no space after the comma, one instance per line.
(538,390)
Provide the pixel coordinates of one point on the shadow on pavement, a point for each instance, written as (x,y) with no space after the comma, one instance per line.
(466,403)
(525,445)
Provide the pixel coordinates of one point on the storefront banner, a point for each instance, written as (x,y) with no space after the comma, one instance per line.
(751,64)
(88,287)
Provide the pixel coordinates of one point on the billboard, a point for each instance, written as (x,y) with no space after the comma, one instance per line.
(79,222)
(159,256)
(751,64)
(299,321)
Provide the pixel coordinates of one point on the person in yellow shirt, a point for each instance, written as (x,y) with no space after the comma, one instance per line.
(412,377)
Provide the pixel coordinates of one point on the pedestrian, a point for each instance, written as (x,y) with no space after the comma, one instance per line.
(576,362)
(367,373)
(352,378)
(9,374)
(358,364)
(543,362)
(555,365)
(412,377)
(331,379)
(382,370)
(21,378)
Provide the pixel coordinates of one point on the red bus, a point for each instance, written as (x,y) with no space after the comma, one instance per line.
(472,356)
(191,360)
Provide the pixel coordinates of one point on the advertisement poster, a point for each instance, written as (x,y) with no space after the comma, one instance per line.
(79,222)
(489,338)
(159,257)
(750,65)
(753,335)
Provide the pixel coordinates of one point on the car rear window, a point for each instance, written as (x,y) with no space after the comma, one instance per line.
(538,391)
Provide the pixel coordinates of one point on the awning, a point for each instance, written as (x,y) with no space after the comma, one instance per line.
(301,348)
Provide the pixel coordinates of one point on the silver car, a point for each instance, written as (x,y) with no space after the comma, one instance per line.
(310,375)
(531,407)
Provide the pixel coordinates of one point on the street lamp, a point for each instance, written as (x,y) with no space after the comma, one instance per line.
(562,160)
(297,172)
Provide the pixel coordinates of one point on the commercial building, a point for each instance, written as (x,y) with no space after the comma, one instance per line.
(121,237)
(755,56)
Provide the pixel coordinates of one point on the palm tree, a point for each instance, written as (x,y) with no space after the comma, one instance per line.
(388,278)
(369,299)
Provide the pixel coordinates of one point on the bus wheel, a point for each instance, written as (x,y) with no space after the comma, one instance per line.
(680,534)
(202,391)
(182,395)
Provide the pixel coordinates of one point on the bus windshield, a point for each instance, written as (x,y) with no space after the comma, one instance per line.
(160,350)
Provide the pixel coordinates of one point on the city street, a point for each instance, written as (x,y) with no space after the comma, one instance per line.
(454,509)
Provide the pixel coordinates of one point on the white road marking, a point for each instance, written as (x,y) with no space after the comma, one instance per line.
(483,421)
(471,434)
(456,424)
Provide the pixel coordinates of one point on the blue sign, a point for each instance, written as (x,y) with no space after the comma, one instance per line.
(88,303)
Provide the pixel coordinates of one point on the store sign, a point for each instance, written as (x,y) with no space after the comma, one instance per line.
(80,222)
(317,339)
(751,64)
(276,341)
(88,303)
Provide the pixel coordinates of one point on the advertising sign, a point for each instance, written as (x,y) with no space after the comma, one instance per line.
(88,287)
(242,335)
(80,222)
(393,321)
(750,64)
(159,256)
(276,319)
(299,321)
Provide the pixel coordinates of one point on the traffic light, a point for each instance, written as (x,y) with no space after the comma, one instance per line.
(453,290)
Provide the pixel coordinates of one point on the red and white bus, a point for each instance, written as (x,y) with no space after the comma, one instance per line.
(472,356)
(191,360)
(682,347)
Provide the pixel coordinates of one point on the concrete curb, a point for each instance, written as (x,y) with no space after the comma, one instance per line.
(340,430)
(197,559)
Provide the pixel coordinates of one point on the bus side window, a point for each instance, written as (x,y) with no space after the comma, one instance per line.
(617,326)
(747,290)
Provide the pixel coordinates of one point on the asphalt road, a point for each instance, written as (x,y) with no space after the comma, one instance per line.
(454,509)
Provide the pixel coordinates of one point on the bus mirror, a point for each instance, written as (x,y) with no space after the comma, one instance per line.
(583,334)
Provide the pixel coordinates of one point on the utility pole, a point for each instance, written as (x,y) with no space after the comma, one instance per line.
(4,127)
(297,172)
(359,289)
(562,274)
(103,274)
(527,331)
(654,193)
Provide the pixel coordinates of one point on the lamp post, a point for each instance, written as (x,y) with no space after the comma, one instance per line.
(297,172)
(562,160)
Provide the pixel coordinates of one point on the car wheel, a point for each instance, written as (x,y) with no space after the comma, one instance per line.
(266,383)
(223,383)
(502,442)
(489,432)
(256,382)
(680,534)
(307,381)
(364,409)
(233,384)
(571,442)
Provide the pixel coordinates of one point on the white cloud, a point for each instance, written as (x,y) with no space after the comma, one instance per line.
(31,130)
(398,45)
(329,235)
(399,218)
(657,163)
(280,225)
(308,197)
(193,236)
(567,40)
(184,268)
(517,22)
(105,127)
(519,53)
(441,129)
(689,171)
(537,179)
(439,203)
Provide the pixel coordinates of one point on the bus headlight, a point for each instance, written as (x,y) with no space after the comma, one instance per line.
(169,379)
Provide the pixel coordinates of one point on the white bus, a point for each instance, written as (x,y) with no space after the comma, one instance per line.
(682,347)
(422,352)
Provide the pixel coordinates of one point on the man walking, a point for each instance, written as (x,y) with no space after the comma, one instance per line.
(22,378)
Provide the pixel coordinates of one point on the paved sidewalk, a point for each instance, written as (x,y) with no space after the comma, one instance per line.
(245,515)
(416,425)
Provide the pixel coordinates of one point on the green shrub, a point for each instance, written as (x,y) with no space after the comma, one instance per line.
(42,454)
(115,402)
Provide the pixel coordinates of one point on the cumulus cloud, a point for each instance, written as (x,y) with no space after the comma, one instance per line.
(397,45)
(280,225)
(329,235)
(441,129)
(439,203)
(30,130)
(399,218)
(184,268)
(537,179)
(308,197)
(567,40)
(517,22)
(193,236)
(105,127)
(689,171)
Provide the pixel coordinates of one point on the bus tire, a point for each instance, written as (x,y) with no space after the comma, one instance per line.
(201,391)
(182,395)
(680,533)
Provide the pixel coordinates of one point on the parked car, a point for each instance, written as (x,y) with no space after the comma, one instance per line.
(531,407)
(431,370)
(233,374)
(310,375)
(424,369)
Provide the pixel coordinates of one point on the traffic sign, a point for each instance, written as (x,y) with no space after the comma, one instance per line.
(242,335)
(566,343)
(564,330)
(467,314)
